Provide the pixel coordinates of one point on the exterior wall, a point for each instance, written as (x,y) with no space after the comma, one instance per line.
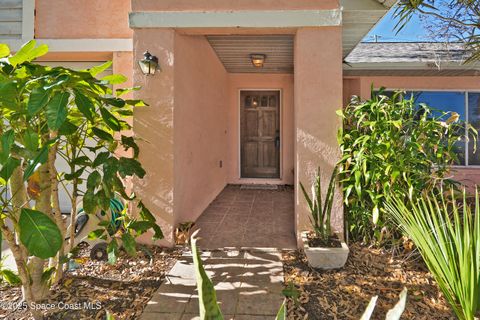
(218,5)
(318,94)
(362,86)
(88,19)
(200,120)
(154,124)
(284,82)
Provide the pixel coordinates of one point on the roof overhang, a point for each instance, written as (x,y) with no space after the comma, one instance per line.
(445,68)
(357,17)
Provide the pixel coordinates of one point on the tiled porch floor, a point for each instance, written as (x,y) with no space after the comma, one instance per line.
(245,218)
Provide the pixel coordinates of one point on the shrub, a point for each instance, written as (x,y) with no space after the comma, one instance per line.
(446,230)
(389,145)
(321,211)
(47,114)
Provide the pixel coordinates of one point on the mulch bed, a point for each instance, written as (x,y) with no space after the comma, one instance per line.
(122,289)
(345,293)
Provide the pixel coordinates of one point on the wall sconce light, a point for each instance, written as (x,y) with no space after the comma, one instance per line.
(258,59)
(149,64)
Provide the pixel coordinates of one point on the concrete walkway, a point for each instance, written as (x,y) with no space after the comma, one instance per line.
(248,286)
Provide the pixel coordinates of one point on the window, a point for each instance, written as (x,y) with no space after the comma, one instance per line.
(466,104)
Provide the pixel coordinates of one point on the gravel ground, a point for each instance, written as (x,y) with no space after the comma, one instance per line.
(344,294)
(96,287)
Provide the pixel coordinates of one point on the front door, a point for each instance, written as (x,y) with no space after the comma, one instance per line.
(260,134)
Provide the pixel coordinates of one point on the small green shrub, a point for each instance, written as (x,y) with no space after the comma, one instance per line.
(390,145)
(446,230)
(321,212)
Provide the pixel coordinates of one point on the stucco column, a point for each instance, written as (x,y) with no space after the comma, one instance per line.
(153,125)
(318,94)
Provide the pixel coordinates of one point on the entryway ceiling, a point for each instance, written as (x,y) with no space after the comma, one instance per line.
(234,52)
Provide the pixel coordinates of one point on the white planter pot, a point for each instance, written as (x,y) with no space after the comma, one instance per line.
(325,258)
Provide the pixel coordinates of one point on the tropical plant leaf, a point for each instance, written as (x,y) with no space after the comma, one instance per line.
(37,101)
(129,244)
(57,110)
(94,71)
(4,50)
(207,296)
(39,234)
(10,277)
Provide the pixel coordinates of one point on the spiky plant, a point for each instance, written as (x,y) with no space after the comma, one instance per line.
(446,231)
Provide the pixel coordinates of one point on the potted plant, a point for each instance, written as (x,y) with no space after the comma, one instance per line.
(323,248)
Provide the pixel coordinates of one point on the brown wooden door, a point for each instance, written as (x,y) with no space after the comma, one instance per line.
(260,134)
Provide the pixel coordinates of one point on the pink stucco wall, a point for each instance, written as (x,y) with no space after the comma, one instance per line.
(200,5)
(154,126)
(362,86)
(252,81)
(86,19)
(200,120)
(318,94)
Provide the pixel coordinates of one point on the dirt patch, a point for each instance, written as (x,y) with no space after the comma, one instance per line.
(345,293)
(94,288)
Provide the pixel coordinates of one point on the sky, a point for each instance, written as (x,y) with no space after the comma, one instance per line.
(413,31)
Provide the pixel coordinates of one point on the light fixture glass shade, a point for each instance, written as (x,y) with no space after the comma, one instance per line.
(258,59)
(149,64)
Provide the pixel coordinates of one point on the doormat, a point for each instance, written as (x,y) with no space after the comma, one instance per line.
(259,187)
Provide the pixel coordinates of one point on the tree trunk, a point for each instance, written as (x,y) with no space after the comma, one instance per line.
(57,213)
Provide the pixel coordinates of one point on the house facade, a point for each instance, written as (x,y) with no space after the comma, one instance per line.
(213,117)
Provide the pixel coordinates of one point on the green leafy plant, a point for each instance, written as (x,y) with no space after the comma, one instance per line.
(321,212)
(207,297)
(393,314)
(391,145)
(57,113)
(446,231)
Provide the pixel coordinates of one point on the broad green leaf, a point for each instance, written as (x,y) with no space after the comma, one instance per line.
(94,180)
(40,158)
(112,250)
(89,202)
(37,101)
(7,169)
(22,55)
(31,140)
(129,244)
(121,92)
(85,106)
(136,103)
(39,234)
(101,158)
(94,71)
(67,128)
(57,110)
(130,167)
(114,79)
(4,50)
(110,120)
(129,142)
(102,134)
(10,277)
(74,175)
(8,95)
(7,140)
